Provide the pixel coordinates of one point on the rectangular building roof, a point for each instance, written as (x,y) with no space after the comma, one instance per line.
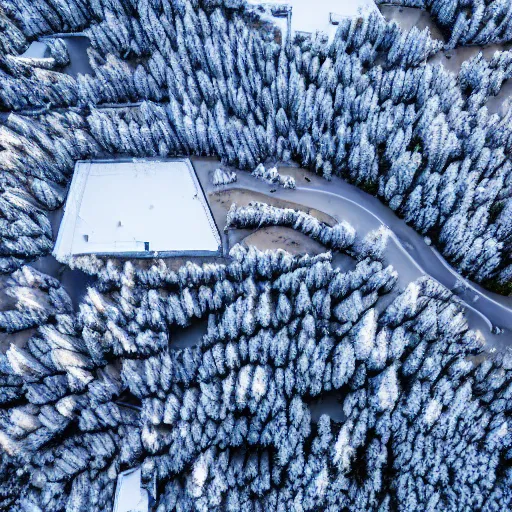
(136,208)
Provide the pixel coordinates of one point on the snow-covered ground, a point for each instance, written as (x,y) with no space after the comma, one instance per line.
(315,16)
(406,251)
(321,15)
(136,208)
(77,45)
(36,50)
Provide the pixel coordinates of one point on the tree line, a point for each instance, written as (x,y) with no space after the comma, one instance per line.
(365,107)
(225,424)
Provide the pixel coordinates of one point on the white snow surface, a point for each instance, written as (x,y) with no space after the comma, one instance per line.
(118,207)
(310,17)
(315,16)
(36,50)
(130,497)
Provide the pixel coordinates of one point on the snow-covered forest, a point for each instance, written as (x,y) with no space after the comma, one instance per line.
(98,387)
(225,425)
(367,108)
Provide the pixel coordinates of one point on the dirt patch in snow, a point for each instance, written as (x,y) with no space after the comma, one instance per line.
(279,237)
(222,200)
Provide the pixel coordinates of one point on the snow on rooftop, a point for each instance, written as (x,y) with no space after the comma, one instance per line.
(130,496)
(36,50)
(136,208)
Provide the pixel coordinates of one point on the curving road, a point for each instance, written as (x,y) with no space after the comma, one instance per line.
(407,250)
(491,311)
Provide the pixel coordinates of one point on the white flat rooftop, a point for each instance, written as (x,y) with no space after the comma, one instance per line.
(136,208)
(130,496)
(318,16)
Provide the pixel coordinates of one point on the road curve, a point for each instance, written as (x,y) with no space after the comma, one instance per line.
(407,250)
(469,284)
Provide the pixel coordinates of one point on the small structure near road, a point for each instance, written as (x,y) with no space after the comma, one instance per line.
(136,208)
